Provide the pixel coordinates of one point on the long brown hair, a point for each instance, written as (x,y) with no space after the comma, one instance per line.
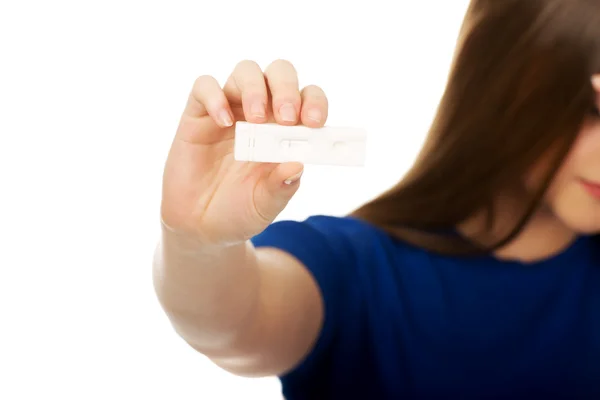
(518,90)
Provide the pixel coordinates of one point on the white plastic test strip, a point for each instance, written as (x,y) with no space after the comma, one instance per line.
(276,143)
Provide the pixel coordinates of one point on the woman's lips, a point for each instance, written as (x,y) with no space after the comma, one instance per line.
(593,188)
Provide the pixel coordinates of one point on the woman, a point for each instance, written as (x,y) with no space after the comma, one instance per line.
(477,276)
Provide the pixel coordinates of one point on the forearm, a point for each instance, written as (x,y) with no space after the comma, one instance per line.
(210,294)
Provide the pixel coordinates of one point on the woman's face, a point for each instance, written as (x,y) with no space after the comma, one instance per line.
(574,195)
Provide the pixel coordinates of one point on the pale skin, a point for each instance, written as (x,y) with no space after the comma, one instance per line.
(258,312)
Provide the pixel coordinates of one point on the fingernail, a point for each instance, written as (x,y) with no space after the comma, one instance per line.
(293,178)
(314,115)
(287,112)
(225,118)
(257,109)
(596,81)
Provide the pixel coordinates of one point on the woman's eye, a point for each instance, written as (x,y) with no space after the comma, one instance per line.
(595,112)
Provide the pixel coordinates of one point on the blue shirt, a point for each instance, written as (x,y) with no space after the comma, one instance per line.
(404,323)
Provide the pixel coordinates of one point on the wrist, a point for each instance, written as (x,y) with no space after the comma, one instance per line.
(182,249)
(191,242)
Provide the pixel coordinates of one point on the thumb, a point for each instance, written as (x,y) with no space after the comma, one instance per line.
(275,191)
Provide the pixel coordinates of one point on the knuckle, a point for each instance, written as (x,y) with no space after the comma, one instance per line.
(283,72)
(248,77)
(314,90)
(285,88)
(314,93)
(287,96)
(282,63)
(202,81)
(283,80)
(244,64)
(253,88)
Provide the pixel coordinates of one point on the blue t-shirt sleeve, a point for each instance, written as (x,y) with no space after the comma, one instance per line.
(323,246)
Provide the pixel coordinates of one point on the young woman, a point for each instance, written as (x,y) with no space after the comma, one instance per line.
(477,276)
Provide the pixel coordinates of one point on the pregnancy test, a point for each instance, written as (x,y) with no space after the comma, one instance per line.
(276,143)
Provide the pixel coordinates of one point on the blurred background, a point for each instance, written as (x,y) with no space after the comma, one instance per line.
(90,97)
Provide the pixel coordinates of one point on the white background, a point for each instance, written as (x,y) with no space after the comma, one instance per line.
(90,96)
